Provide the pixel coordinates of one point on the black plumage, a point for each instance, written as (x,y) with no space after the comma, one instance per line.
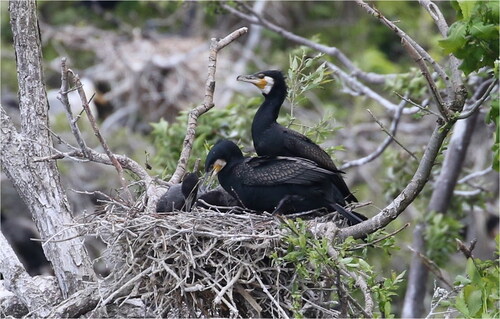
(180,196)
(216,197)
(272,139)
(283,184)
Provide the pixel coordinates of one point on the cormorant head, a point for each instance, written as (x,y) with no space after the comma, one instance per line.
(265,80)
(223,152)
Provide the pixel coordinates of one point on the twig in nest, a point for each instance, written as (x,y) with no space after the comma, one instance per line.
(208,102)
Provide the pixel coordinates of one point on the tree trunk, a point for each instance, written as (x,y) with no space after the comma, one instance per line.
(440,200)
(38,183)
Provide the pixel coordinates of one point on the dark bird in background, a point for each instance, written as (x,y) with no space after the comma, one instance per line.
(273,139)
(216,197)
(180,196)
(20,232)
(188,194)
(276,184)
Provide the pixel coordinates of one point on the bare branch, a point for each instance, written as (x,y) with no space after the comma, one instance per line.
(257,18)
(392,136)
(97,133)
(430,81)
(19,282)
(475,175)
(479,102)
(381,148)
(362,89)
(63,97)
(374,12)
(215,46)
(436,15)
(408,194)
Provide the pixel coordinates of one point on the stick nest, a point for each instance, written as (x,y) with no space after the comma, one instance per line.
(208,263)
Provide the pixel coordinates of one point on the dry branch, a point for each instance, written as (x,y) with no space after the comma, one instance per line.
(39,184)
(18,281)
(215,46)
(256,18)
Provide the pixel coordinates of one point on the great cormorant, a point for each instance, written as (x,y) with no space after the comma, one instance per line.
(283,184)
(180,196)
(272,139)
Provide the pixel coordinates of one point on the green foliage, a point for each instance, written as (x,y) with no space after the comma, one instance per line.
(440,235)
(310,257)
(493,116)
(385,290)
(474,37)
(479,296)
(302,77)
(232,122)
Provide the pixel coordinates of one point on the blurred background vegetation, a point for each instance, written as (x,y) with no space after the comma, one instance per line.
(147,64)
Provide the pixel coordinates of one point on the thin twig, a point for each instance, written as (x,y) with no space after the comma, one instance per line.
(422,107)
(431,266)
(97,133)
(63,97)
(215,46)
(445,112)
(381,148)
(392,136)
(381,238)
(374,12)
(479,102)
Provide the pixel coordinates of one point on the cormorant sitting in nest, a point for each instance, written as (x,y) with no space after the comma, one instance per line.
(272,139)
(278,184)
(180,196)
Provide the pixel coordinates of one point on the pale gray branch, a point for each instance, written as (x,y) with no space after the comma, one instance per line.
(19,282)
(381,148)
(362,89)
(257,18)
(215,46)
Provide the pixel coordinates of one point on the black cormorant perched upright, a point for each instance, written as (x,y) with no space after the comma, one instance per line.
(276,183)
(272,139)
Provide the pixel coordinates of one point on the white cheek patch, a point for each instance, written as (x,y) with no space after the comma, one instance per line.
(269,85)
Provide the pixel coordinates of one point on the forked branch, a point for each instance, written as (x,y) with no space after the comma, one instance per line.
(208,102)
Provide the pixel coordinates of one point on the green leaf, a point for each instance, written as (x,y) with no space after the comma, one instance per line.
(466,6)
(484,31)
(456,38)
(471,270)
(473,298)
(461,305)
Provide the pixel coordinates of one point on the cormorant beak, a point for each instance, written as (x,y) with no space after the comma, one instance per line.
(255,80)
(218,165)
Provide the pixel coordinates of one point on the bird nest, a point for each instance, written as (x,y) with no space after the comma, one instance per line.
(210,263)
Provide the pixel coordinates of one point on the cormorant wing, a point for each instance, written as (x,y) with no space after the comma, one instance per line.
(281,170)
(301,146)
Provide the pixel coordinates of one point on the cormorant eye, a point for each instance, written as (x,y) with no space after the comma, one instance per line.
(261,75)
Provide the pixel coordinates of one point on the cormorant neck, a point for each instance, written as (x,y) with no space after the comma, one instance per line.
(269,110)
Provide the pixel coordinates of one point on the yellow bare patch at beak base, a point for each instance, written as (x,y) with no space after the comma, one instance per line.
(261,83)
(218,165)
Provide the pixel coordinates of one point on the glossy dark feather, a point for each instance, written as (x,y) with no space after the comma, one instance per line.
(266,183)
(272,139)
